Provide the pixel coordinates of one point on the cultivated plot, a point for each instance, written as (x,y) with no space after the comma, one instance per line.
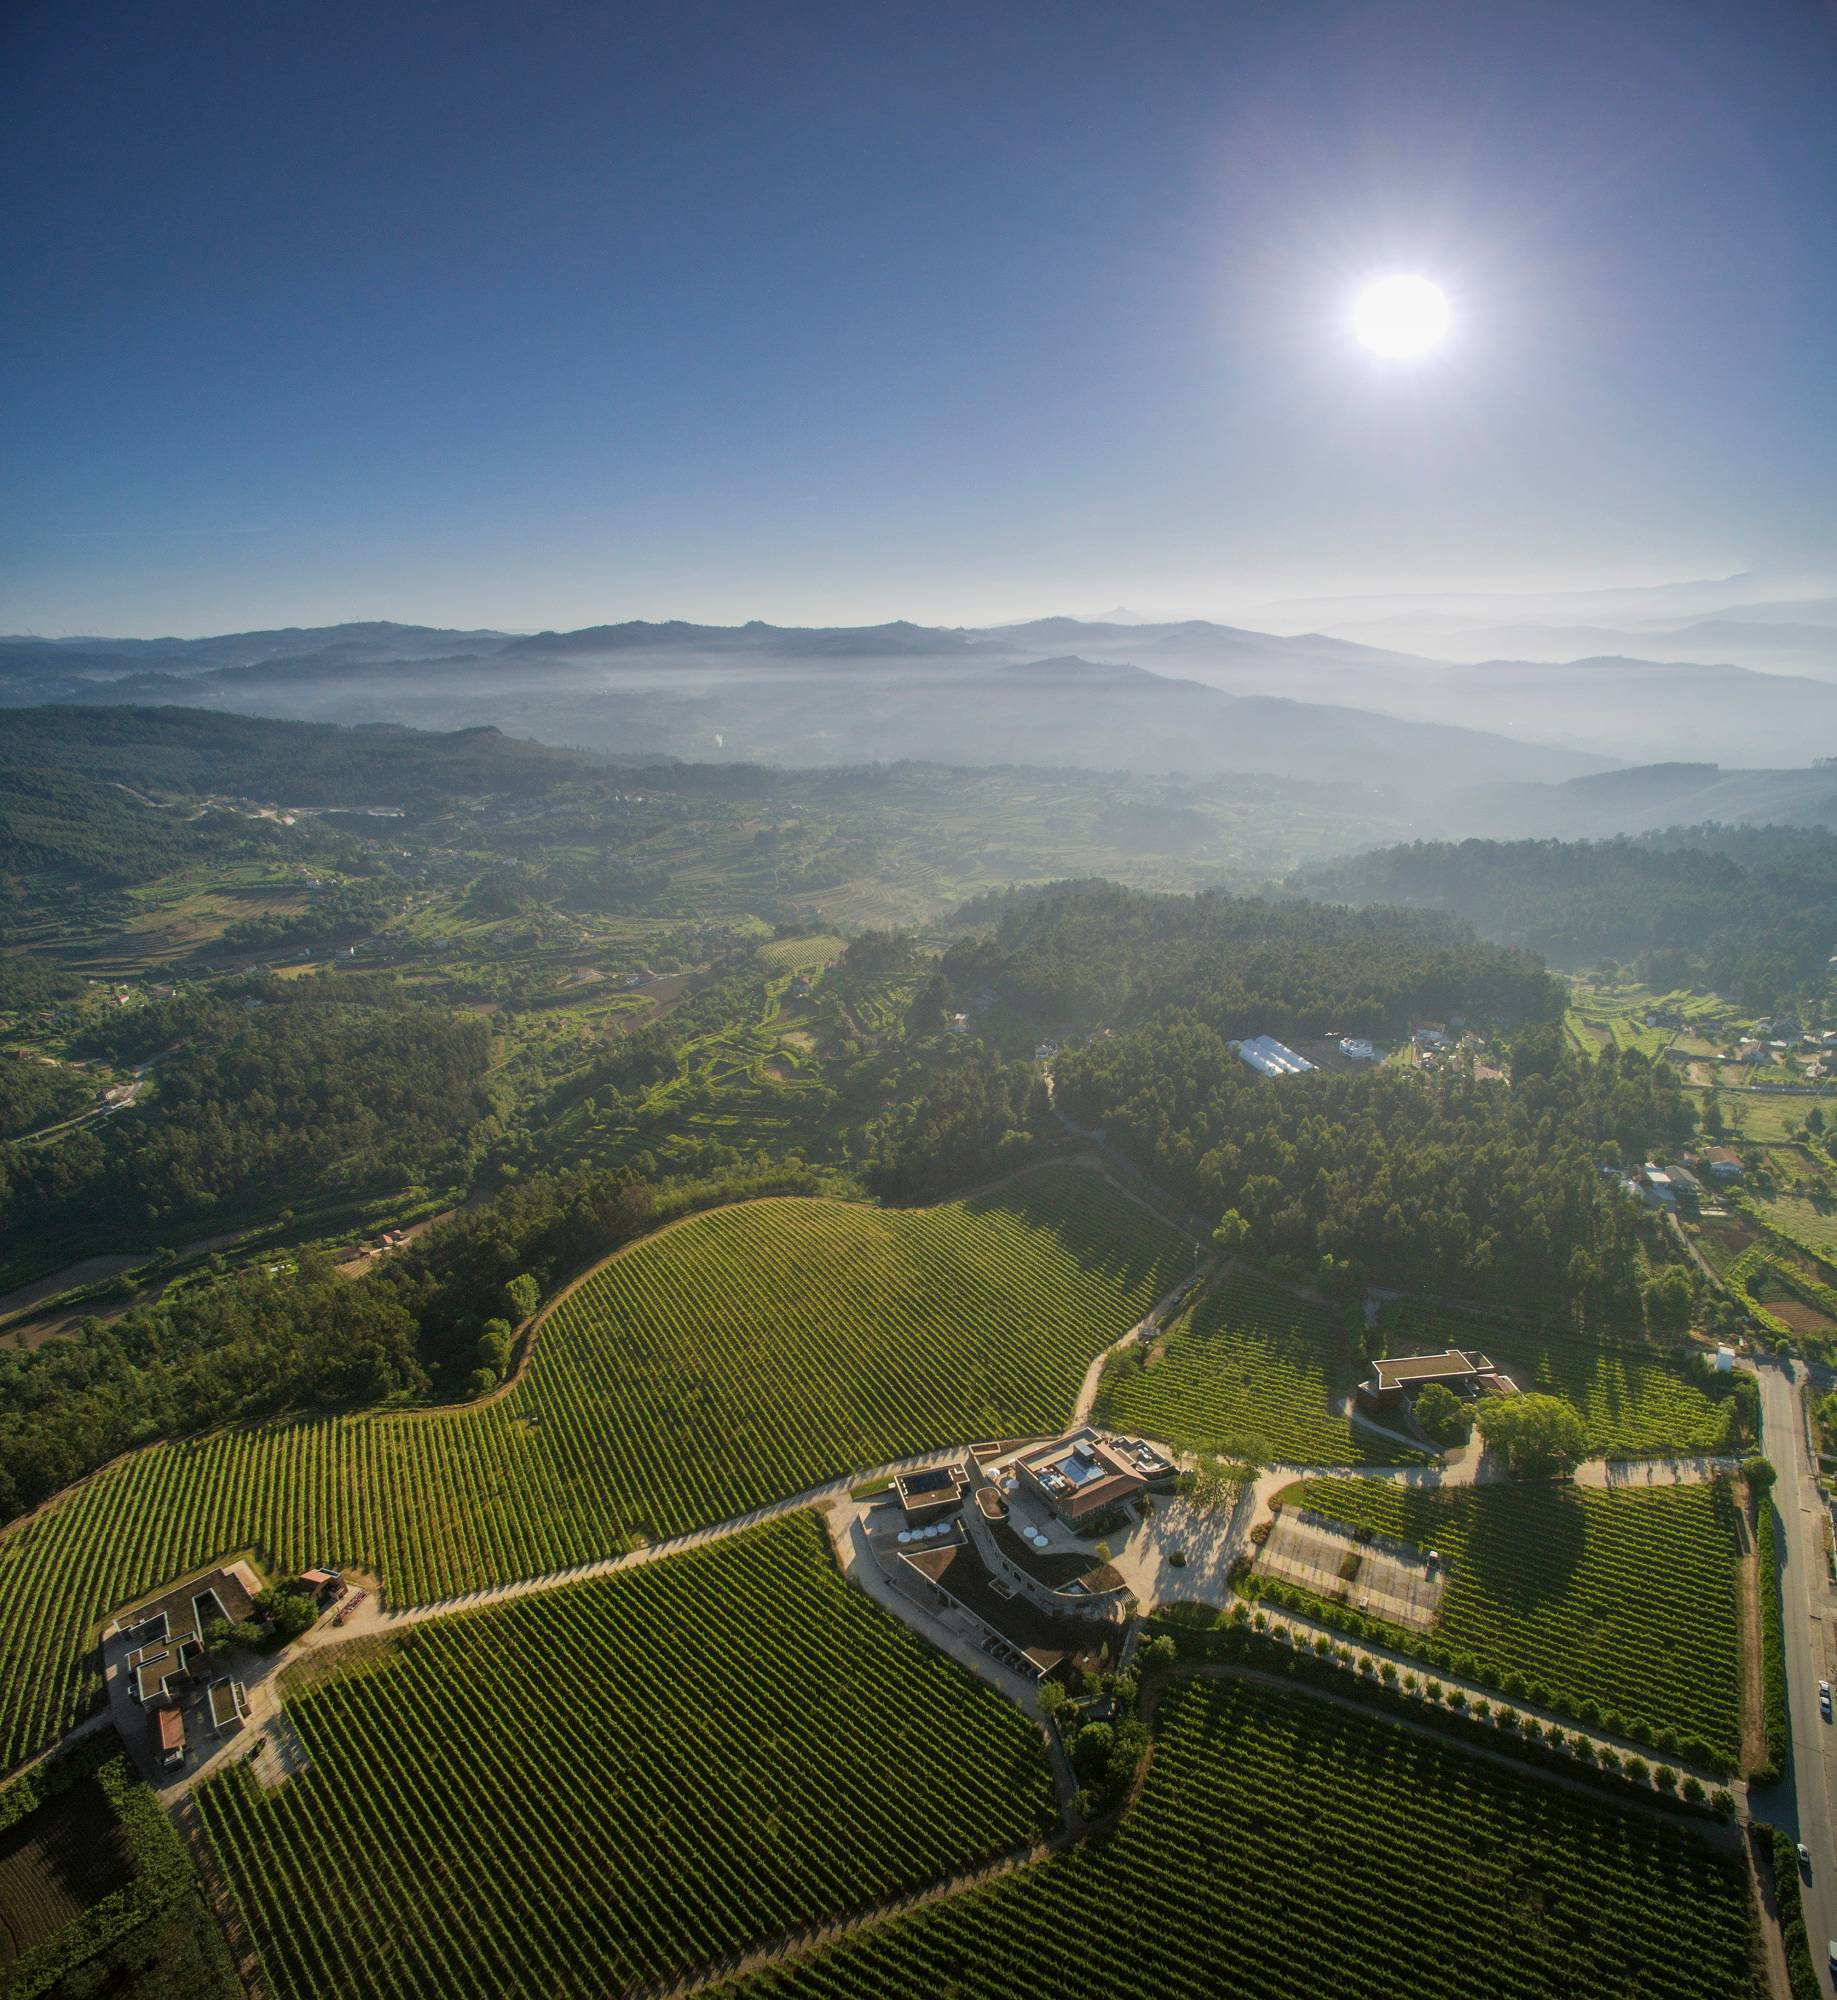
(737,1359)
(591,1787)
(1619,1605)
(1284,1848)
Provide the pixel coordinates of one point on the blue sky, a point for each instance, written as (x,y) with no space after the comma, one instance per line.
(549,314)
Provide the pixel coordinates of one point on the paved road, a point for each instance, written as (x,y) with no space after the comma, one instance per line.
(1804,1802)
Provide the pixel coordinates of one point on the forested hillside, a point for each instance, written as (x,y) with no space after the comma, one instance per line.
(1410,1180)
(1749,911)
(1092,951)
(259,1103)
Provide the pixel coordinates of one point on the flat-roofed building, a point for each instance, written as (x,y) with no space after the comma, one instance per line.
(1399,1378)
(931,1492)
(166,1636)
(229,1706)
(1025,1639)
(1079,1476)
(166,1727)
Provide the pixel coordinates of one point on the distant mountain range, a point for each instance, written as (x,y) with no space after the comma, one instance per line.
(1190,696)
(1782,625)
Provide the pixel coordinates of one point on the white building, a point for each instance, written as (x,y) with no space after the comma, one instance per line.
(1269,1057)
(1358,1049)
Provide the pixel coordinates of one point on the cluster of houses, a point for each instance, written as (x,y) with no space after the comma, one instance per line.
(1691,1178)
(1783,1042)
(1000,1542)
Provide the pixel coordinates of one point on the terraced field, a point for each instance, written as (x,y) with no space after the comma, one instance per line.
(1619,1606)
(1284,1849)
(598,1785)
(801,954)
(738,1358)
(1251,1372)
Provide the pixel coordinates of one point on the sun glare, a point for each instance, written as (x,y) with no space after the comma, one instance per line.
(1400,317)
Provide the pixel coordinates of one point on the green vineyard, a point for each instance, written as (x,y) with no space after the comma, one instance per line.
(602,1784)
(1633,1404)
(739,1358)
(1283,1849)
(1251,1372)
(1617,1606)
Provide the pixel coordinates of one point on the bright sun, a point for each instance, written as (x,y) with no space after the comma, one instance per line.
(1401,317)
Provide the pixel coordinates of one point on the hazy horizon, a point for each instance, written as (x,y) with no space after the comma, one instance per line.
(1247,614)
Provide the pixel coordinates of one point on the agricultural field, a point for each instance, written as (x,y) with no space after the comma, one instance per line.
(1784,1291)
(1809,1220)
(55,1862)
(98,1896)
(1633,1403)
(801,954)
(739,1357)
(1619,1602)
(1614,1011)
(1769,1117)
(577,1791)
(1283,1848)
(1249,1372)
(1612,1014)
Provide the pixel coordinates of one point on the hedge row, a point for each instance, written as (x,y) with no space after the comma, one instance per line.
(1772,1645)
(1801,1967)
(1468,1667)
